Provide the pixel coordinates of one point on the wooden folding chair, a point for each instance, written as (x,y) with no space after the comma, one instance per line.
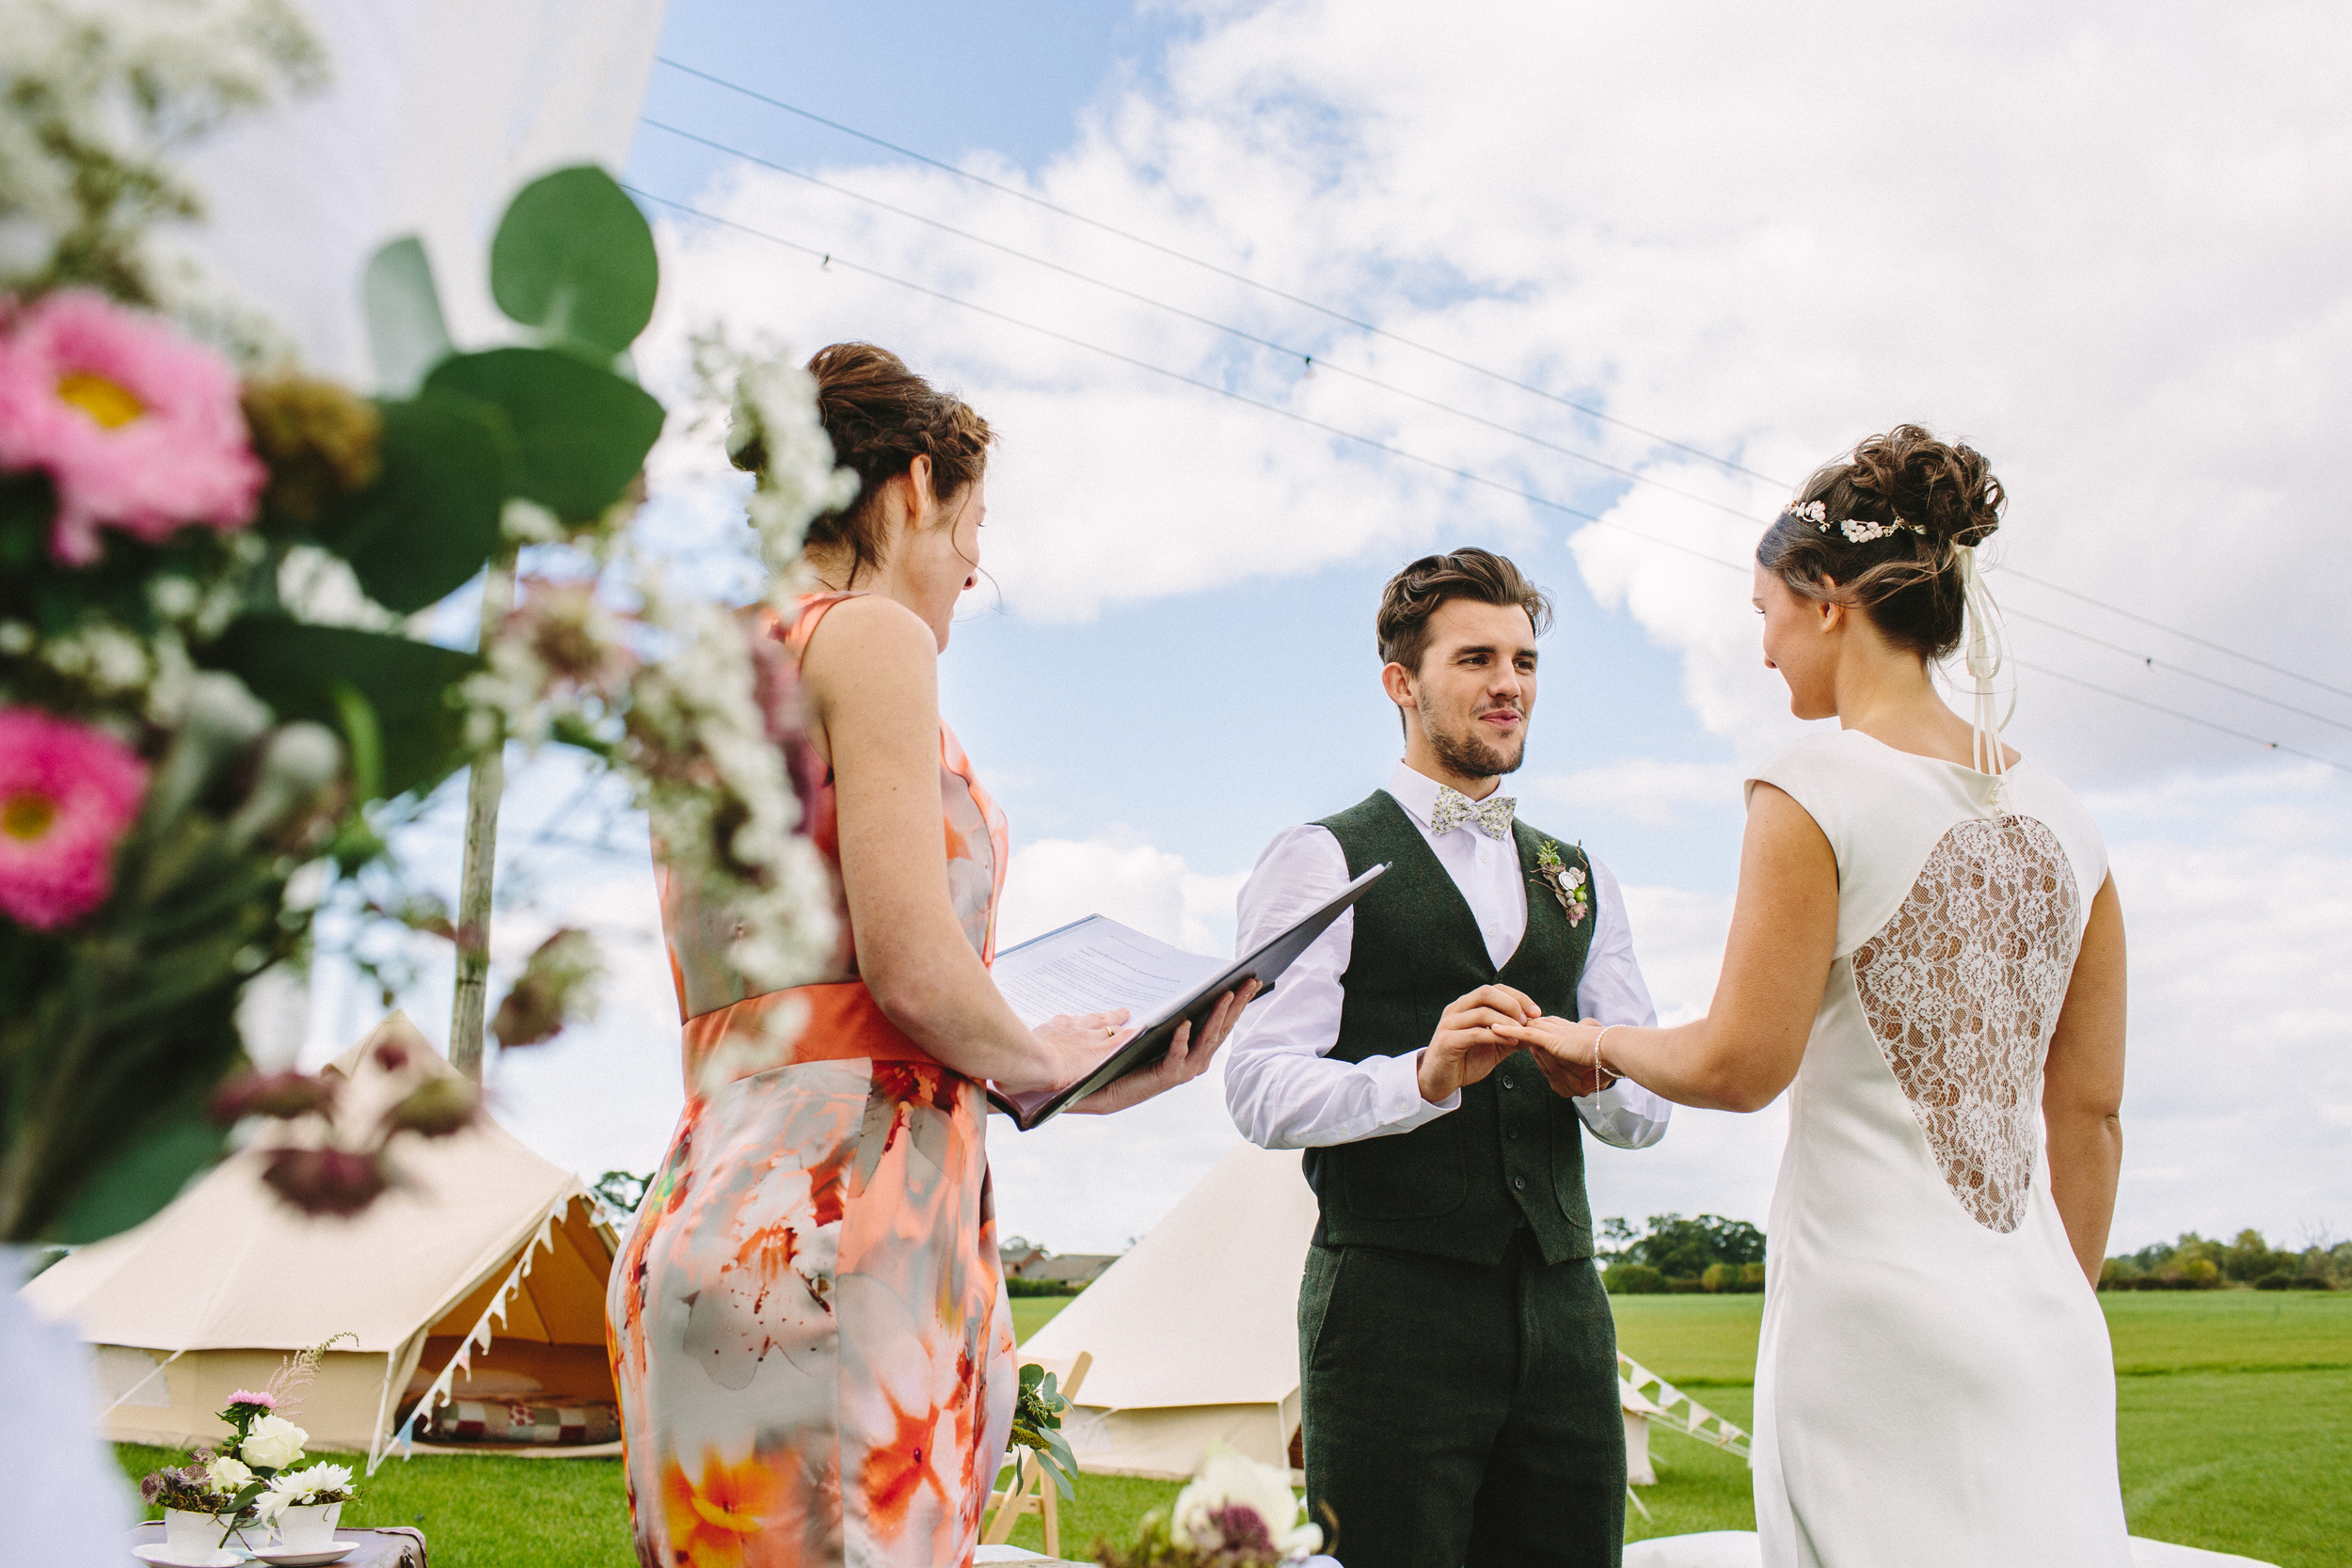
(1032,1490)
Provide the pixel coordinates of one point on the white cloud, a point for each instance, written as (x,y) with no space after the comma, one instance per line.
(1687,237)
(2104,245)
(1644,790)
(1054,881)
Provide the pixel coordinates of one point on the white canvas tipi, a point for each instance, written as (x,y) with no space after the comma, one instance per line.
(487,1264)
(1195,1334)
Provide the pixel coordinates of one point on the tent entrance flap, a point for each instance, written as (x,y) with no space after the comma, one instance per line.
(508,1301)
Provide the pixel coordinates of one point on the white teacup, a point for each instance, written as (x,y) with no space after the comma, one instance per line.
(309,1528)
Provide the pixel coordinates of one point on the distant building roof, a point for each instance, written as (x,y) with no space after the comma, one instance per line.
(1070,1268)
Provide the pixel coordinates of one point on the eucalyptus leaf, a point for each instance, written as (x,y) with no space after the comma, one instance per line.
(148,1172)
(582,432)
(298,670)
(405,331)
(574,258)
(428,525)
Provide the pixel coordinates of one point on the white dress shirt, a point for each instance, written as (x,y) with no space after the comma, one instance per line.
(1280,1085)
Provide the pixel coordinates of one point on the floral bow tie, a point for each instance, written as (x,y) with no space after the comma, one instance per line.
(1491,816)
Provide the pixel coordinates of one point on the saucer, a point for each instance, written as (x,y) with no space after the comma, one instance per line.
(164,1556)
(284,1557)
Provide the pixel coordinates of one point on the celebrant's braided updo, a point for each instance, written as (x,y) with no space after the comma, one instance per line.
(881,417)
(1883,530)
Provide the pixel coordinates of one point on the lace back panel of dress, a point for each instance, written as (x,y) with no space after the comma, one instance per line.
(1962,988)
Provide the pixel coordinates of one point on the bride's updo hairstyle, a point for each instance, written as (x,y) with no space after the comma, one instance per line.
(881,416)
(1882,530)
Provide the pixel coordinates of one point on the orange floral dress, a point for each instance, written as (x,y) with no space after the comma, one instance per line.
(808,1321)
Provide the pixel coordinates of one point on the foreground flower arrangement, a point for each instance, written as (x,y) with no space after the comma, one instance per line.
(1237,1513)
(213,709)
(250,1482)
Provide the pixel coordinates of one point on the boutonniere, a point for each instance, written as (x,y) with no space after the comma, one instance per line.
(1565,882)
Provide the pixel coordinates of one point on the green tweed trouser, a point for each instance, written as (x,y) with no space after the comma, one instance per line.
(1462,1414)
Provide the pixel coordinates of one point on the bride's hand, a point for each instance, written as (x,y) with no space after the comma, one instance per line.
(1566,1051)
(1186,1058)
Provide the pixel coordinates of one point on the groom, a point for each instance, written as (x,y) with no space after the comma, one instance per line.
(1457,1361)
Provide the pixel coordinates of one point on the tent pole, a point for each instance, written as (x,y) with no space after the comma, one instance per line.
(143,1383)
(484,784)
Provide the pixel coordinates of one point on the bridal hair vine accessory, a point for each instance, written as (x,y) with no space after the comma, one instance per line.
(1858,530)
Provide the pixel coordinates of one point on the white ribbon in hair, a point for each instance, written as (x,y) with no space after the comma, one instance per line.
(1987,652)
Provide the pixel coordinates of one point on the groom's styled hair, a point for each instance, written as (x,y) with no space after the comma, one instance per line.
(1414,594)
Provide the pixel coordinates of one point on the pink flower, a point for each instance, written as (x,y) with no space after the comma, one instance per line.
(247,1396)
(67,793)
(139,428)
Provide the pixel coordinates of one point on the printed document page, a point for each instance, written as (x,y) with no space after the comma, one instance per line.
(1095,965)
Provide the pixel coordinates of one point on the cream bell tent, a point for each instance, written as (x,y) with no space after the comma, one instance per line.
(480,1277)
(1194,1332)
(1195,1337)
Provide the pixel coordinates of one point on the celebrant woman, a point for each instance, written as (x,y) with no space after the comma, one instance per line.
(810,1332)
(1926,954)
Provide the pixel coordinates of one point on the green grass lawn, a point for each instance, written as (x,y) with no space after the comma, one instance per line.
(2233,1418)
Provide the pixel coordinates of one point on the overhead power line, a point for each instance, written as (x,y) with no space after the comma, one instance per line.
(2176,713)
(1309,360)
(1357,323)
(1243,279)
(2155,663)
(833,258)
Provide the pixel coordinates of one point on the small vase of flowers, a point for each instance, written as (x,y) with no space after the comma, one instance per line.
(1236,1513)
(190,1526)
(305,1504)
(231,1495)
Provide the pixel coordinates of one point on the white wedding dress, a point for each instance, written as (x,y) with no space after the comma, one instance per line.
(1934,1385)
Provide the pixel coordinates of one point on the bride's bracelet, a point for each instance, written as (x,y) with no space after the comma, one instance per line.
(1598,1065)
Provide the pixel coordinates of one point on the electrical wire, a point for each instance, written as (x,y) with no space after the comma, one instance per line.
(830,258)
(1243,279)
(1360,324)
(2153,663)
(1308,360)
(2175,713)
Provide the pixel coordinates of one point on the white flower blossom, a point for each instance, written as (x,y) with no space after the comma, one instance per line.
(226,1474)
(775,404)
(302,1488)
(272,1443)
(1216,1511)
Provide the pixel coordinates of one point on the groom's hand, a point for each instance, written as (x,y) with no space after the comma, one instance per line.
(1466,1047)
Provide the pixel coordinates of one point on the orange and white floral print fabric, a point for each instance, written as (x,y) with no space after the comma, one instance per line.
(808,1321)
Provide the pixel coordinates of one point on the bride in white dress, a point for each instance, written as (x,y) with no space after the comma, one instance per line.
(1927,953)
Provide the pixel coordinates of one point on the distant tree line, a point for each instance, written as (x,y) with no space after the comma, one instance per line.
(2194,1263)
(1674,1256)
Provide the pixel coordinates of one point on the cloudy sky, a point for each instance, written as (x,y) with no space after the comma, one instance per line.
(1268,299)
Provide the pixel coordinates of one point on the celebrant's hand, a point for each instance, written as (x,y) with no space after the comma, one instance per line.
(1566,1051)
(1470,1042)
(1187,1058)
(1074,1044)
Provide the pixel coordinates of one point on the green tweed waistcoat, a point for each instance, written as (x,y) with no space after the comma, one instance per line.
(1457,1186)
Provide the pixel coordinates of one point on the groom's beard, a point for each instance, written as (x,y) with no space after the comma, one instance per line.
(1473,755)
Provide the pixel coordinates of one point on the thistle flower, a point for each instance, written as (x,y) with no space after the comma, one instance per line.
(280,1094)
(436,1108)
(320,442)
(557,986)
(260,1401)
(66,794)
(138,428)
(326,1181)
